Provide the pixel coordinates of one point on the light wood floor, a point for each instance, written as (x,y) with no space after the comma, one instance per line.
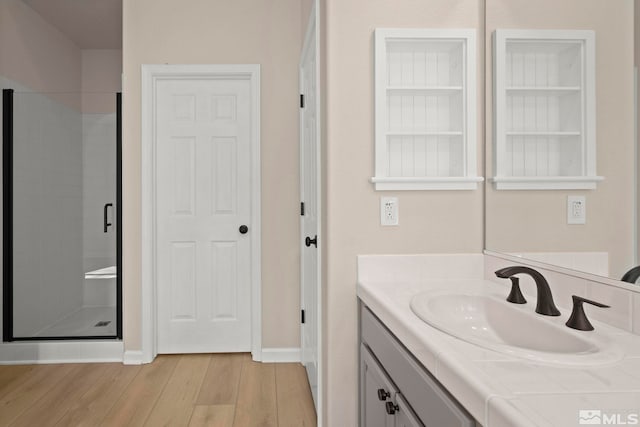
(226,390)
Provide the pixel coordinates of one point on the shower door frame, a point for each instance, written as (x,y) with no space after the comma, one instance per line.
(7,227)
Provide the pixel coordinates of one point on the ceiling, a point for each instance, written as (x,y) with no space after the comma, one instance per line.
(90,24)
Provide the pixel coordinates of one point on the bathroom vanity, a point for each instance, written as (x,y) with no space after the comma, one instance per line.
(396,389)
(415,374)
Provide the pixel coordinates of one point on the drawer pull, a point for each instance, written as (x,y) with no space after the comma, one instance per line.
(382,394)
(391,408)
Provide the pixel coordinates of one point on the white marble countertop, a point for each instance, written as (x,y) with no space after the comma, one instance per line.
(505,391)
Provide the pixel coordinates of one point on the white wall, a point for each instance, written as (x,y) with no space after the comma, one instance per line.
(34,53)
(430,221)
(101,75)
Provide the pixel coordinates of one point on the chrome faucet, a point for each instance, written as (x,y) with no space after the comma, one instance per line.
(545,303)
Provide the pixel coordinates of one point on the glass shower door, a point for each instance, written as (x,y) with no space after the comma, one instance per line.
(61,207)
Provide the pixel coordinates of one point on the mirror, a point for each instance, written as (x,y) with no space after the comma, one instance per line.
(534,223)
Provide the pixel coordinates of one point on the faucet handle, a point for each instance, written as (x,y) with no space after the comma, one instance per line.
(578,319)
(515,296)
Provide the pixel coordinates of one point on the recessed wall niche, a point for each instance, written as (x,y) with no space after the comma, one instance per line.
(425,109)
(544,110)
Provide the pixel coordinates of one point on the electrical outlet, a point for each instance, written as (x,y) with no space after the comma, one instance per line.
(576,210)
(389,211)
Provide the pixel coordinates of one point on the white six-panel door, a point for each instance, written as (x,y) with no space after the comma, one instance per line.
(203,197)
(310,197)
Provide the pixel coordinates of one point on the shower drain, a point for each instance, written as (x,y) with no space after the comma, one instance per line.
(102,323)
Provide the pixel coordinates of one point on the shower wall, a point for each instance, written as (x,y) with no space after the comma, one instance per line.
(48,207)
(99,178)
(65,170)
(101,71)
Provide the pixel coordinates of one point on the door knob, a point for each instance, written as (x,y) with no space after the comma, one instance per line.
(309,241)
(243,229)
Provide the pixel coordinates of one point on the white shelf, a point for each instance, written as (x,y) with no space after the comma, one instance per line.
(542,90)
(546,183)
(544,109)
(425,135)
(435,90)
(426,183)
(542,133)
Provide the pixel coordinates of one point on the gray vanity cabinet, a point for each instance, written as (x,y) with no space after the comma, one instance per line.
(382,404)
(377,389)
(405,416)
(395,389)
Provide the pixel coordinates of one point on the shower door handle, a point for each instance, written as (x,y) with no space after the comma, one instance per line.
(106,218)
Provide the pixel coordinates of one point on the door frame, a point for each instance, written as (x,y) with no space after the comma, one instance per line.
(151,74)
(312,36)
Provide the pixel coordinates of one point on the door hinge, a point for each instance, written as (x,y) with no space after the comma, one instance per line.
(301,101)
(301,208)
(302,316)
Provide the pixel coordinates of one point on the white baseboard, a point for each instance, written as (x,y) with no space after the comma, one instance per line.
(133,357)
(281,355)
(19,353)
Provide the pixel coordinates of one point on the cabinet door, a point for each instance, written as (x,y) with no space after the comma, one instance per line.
(375,391)
(405,416)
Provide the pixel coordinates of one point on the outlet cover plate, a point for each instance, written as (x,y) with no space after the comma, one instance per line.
(389,211)
(576,210)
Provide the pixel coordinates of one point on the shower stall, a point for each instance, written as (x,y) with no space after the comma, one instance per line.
(62,242)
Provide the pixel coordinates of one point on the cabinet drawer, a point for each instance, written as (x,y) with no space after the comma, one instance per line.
(374,380)
(431,402)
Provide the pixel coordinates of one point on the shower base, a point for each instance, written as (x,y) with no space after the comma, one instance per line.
(86,321)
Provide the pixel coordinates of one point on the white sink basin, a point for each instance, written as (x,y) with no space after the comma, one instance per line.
(493,323)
